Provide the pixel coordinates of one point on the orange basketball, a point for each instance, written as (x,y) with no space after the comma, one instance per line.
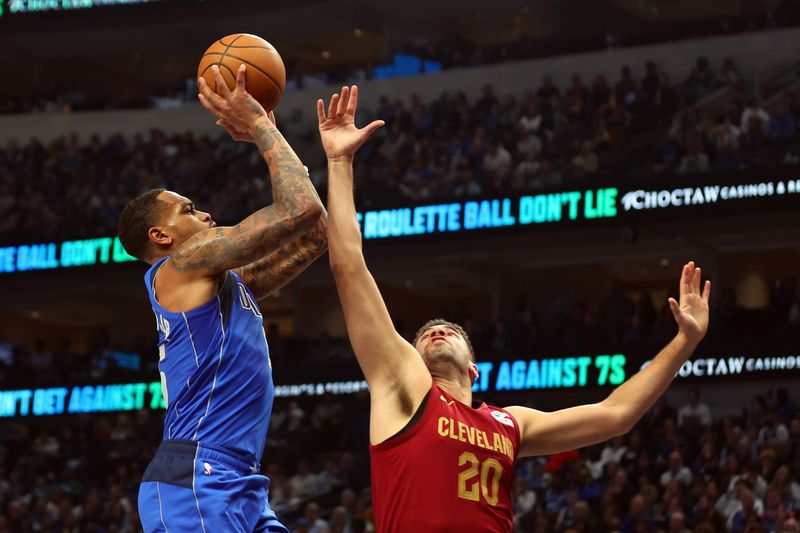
(265,77)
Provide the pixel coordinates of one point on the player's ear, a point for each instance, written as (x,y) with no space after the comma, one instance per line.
(473,372)
(159,237)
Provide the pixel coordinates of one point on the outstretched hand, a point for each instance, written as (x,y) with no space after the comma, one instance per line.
(691,313)
(340,137)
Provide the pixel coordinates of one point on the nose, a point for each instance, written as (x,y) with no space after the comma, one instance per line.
(206,217)
(438,332)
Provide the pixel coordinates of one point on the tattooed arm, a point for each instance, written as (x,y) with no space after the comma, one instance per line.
(296,207)
(278,268)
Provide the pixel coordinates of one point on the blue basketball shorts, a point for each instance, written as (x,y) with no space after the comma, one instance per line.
(194,487)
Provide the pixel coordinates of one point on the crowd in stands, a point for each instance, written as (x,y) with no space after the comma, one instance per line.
(724,467)
(626,320)
(680,470)
(639,125)
(455,52)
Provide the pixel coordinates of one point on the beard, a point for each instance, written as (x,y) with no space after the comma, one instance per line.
(440,355)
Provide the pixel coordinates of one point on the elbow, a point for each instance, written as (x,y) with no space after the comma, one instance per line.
(307,215)
(624,426)
(619,420)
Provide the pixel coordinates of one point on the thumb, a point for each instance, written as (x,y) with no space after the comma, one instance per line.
(371,128)
(676,309)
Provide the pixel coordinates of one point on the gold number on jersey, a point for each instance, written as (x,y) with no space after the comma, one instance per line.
(463,477)
(491,465)
(490,472)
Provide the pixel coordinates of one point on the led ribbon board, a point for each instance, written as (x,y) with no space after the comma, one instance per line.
(47,256)
(12,7)
(518,213)
(130,397)
(586,206)
(583,371)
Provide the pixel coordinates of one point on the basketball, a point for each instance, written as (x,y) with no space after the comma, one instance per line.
(265,77)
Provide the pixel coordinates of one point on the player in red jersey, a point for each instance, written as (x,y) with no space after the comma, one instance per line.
(439,463)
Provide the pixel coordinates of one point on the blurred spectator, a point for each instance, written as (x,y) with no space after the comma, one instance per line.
(586,162)
(774,433)
(701,81)
(695,412)
(695,160)
(729,75)
(677,523)
(676,471)
(782,126)
(754,117)
(339,522)
(304,482)
(314,522)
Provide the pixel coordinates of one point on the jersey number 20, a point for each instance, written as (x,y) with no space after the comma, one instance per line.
(488,484)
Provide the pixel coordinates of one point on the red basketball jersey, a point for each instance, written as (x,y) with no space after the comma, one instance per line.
(451,471)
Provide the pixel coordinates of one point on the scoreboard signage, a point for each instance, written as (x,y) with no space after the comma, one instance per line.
(47,256)
(566,372)
(587,206)
(526,213)
(476,215)
(129,397)
(717,367)
(11,7)
(581,371)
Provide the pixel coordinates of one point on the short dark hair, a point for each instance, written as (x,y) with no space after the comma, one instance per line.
(442,322)
(135,221)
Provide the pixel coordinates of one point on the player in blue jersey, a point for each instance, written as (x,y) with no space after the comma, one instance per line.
(213,356)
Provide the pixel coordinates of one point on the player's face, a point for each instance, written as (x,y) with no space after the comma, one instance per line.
(181,219)
(442,344)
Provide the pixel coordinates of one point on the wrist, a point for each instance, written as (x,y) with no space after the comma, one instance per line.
(686,341)
(260,122)
(340,159)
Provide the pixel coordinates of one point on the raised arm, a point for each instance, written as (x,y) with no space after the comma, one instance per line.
(268,274)
(395,372)
(296,207)
(568,429)
(278,267)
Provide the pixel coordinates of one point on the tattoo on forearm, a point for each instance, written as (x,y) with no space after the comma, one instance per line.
(264,137)
(278,268)
(266,229)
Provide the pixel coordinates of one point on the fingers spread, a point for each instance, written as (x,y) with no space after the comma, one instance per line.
(206,91)
(698,275)
(371,128)
(352,104)
(686,279)
(343,101)
(707,291)
(240,78)
(211,107)
(333,105)
(675,308)
(320,111)
(222,86)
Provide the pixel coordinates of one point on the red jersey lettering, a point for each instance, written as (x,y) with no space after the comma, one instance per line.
(452,471)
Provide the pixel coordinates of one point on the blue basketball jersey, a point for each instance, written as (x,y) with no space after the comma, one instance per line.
(215,369)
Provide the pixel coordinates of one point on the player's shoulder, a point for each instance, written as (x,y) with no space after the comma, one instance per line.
(500,415)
